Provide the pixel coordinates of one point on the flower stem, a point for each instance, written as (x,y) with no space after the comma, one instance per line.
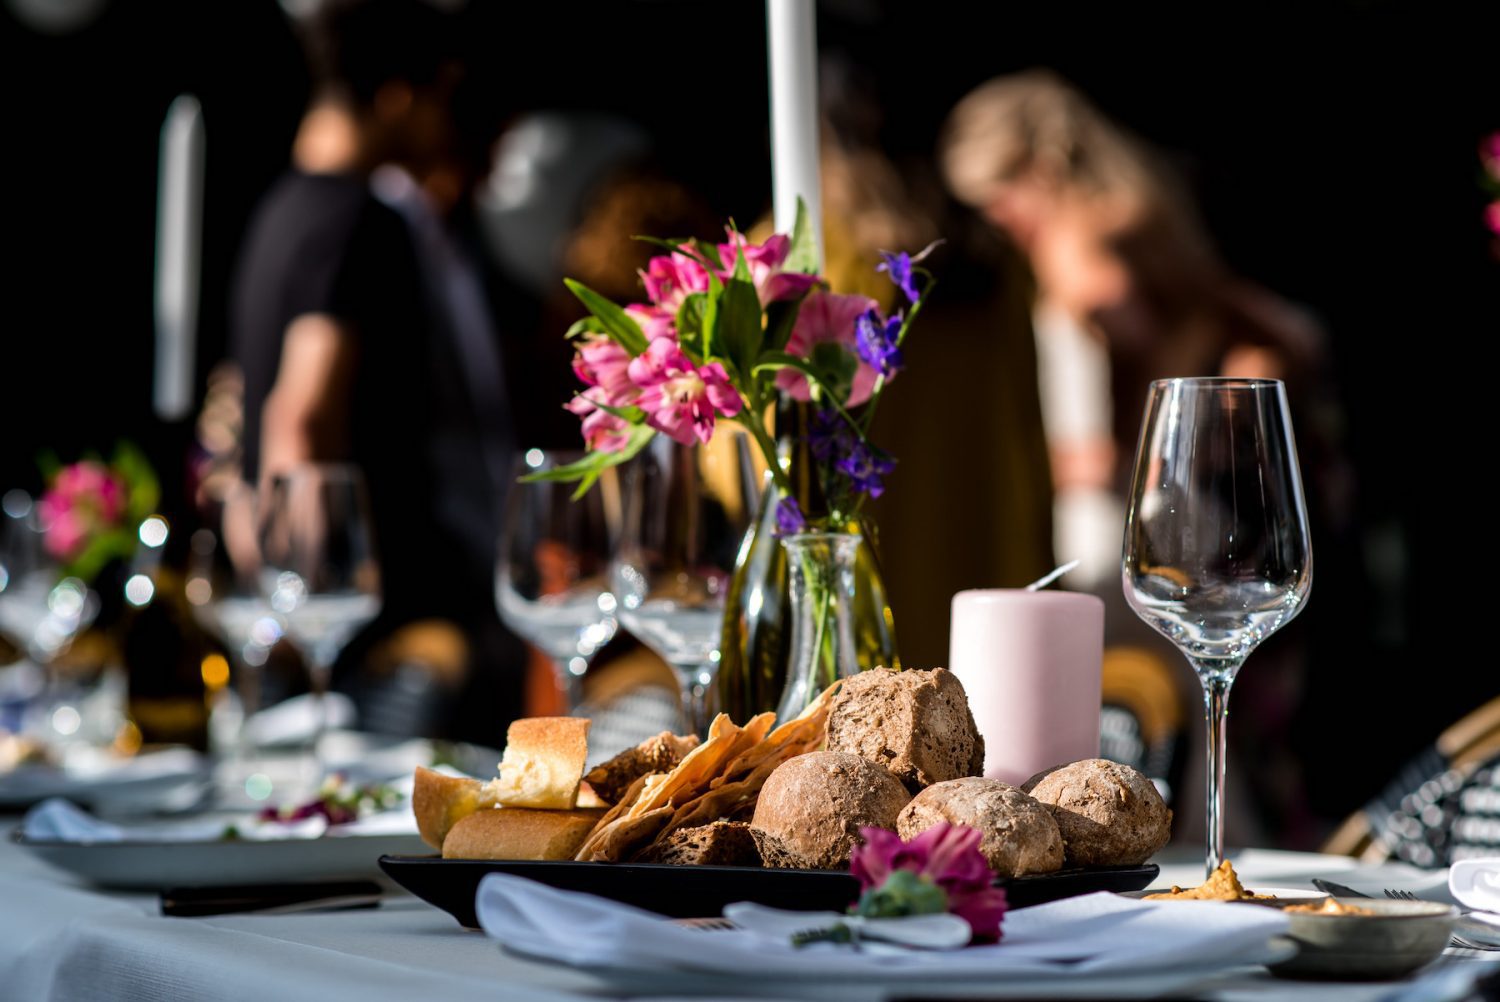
(751,418)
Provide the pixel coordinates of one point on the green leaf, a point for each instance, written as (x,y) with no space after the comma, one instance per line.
(837,368)
(781,317)
(803,255)
(588,469)
(617,323)
(632,414)
(692,319)
(737,331)
(588,325)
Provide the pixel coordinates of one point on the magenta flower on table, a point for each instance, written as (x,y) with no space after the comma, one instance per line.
(84,498)
(682,400)
(828,318)
(946,855)
(765,261)
(670,278)
(602,362)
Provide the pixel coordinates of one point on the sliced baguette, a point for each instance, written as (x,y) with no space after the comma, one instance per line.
(543,763)
(440,801)
(519,833)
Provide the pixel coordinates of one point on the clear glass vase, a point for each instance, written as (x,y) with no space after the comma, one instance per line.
(821,576)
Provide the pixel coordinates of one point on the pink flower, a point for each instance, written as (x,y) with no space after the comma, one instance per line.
(84,498)
(671,278)
(1489,152)
(602,431)
(772,284)
(653,321)
(680,399)
(1492,216)
(949,856)
(600,361)
(828,317)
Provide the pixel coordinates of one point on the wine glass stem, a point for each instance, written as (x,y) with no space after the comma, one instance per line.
(695,694)
(1216,705)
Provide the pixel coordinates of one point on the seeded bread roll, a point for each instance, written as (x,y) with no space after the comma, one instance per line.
(1020,835)
(723,843)
(812,807)
(1109,814)
(915,723)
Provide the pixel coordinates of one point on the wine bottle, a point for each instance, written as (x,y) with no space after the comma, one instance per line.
(755,644)
(172,666)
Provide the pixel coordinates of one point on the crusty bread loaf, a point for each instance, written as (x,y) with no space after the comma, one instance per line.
(812,808)
(441,801)
(915,723)
(519,833)
(723,843)
(543,763)
(1020,835)
(658,754)
(1109,814)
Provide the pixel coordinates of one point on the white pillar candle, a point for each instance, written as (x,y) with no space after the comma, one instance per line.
(1031,665)
(179,229)
(792,46)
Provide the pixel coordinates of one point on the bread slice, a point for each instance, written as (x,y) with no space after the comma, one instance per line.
(658,754)
(543,763)
(723,843)
(440,801)
(519,833)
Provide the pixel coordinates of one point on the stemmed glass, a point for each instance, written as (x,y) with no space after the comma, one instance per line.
(224,592)
(1216,553)
(552,576)
(319,569)
(686,512)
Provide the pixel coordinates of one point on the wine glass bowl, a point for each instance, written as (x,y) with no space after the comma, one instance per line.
(552,578)
(1217,555)
(686,512)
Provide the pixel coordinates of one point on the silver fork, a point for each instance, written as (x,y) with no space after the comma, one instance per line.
(705,924)
(1467,944)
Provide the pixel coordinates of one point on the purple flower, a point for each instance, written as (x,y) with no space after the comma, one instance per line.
(875,340)
(898,266)
(865,465)
(828,436)
(789,517)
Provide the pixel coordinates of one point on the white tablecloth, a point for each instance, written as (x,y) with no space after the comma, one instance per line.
(61,940)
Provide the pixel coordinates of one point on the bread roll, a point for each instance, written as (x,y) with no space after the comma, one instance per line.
(812,807)
(543,763)
(519,833)
(1109,814)
(915,723)
(723,843)
(440,801)
(658,754)
(1020,835)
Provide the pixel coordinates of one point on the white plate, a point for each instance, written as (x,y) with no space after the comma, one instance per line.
(174,778)
(152,866)
(881,985)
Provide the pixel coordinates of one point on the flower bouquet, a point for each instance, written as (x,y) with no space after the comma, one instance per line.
(728,330)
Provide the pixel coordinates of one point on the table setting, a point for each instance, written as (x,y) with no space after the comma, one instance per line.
(804,816)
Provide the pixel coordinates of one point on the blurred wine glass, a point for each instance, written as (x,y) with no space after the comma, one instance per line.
(552,577)
(319,570)
(41,610)
(1217,555)
(224,592)
(686,512)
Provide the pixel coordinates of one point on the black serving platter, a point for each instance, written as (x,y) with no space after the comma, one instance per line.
(702,891)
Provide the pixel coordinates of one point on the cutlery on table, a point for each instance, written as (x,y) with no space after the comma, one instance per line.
(270,899)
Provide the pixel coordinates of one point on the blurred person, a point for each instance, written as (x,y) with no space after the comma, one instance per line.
(1130,289)
(361,328)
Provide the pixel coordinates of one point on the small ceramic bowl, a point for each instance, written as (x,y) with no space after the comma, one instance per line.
(1399,938)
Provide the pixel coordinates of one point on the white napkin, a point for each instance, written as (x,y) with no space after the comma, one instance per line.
(295,721)
(1096,933)
(1475,883)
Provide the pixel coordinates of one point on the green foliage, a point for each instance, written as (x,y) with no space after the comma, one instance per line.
(903,893)
(590,467)
(615,321)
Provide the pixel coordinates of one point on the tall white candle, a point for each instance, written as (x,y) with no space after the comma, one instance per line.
(179,229)
(792,46)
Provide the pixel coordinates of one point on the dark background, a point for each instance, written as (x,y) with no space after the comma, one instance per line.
(1332,147)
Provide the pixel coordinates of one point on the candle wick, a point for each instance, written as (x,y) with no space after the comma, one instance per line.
(1052,576)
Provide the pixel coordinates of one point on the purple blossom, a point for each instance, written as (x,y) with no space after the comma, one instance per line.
(898,266)
(828,436)
(865,466)
(789,517)
(875,340)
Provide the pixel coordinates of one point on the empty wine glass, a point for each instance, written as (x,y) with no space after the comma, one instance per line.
(1216,555)
(552,576)
(686,512)
(319,569)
